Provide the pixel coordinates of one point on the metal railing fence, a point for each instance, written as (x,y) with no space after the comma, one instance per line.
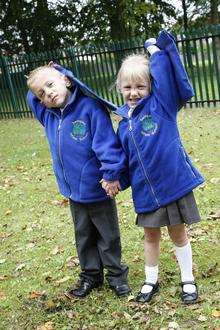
(98,66)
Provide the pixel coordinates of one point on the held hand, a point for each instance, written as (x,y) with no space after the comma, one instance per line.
(112,188)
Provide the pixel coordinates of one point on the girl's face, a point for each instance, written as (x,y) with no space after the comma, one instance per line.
(49,85)
(134,91)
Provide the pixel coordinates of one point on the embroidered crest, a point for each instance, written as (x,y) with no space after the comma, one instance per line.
(79,130)
(149,127)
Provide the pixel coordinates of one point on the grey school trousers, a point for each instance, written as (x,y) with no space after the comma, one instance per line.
(98,241)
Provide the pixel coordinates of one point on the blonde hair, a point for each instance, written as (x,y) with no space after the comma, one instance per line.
(33,73)
(134,67)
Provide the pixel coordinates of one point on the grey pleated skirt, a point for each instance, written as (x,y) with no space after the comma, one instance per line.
(184,210)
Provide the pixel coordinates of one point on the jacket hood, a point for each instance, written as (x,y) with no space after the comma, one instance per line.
(84,88)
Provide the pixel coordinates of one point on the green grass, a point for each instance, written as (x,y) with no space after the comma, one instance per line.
(36,236)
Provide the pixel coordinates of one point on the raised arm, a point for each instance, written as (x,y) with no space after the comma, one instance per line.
(36,107)
(170,81)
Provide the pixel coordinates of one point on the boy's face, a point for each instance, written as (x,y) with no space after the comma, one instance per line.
(132,92)
(49,85)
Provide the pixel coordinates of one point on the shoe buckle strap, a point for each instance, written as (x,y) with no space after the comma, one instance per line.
(149,283)
(188,282)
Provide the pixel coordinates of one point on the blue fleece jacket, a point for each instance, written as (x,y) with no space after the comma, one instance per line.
(83,144)
(160,170)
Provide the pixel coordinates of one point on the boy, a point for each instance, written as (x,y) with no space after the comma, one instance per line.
(84,150)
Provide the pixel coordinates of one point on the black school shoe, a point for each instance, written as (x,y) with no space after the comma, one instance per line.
(189,298)
(83,288)
(146,297)
(121,290)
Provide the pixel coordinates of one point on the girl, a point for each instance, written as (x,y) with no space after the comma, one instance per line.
(161,174)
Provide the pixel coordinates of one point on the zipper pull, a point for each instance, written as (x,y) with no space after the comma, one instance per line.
(59,126)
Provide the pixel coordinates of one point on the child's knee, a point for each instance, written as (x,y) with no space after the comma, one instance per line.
(178,235)
(152,235)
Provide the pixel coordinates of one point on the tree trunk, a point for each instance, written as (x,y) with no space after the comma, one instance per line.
(116,13)
(215,19)
(214,13)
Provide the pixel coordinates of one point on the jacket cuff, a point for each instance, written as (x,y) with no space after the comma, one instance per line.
(149,42)
(111,176)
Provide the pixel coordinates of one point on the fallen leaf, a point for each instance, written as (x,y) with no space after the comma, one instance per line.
(173,325)
(30,245)
(50,305)
(3,277)
(171,304)
(157,310)
(36,294)
(216,313)
(208,166)
(215,180)
(214,215)
(62,280)
(8,212)
(2,295)
(202,186)
(136,259)
(85,327)
(195,306)
(137,272)
(127,316)
(71,262)
(202,318)
(46,326)
(71,314)
(56,250)
(136,316)
(172,312)
(210,271)
(5,235)
(20,267)
(117,315)
(63,202)
(48,278)
(130,297)
(20,168)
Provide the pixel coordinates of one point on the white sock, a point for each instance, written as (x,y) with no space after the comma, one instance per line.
(184,258)
(151,273)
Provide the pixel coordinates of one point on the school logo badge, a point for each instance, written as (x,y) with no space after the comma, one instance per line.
(79,130)
(149,127)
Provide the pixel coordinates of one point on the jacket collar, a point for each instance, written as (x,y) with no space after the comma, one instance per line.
(123,110)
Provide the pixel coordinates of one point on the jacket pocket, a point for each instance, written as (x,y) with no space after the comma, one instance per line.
(171,172)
